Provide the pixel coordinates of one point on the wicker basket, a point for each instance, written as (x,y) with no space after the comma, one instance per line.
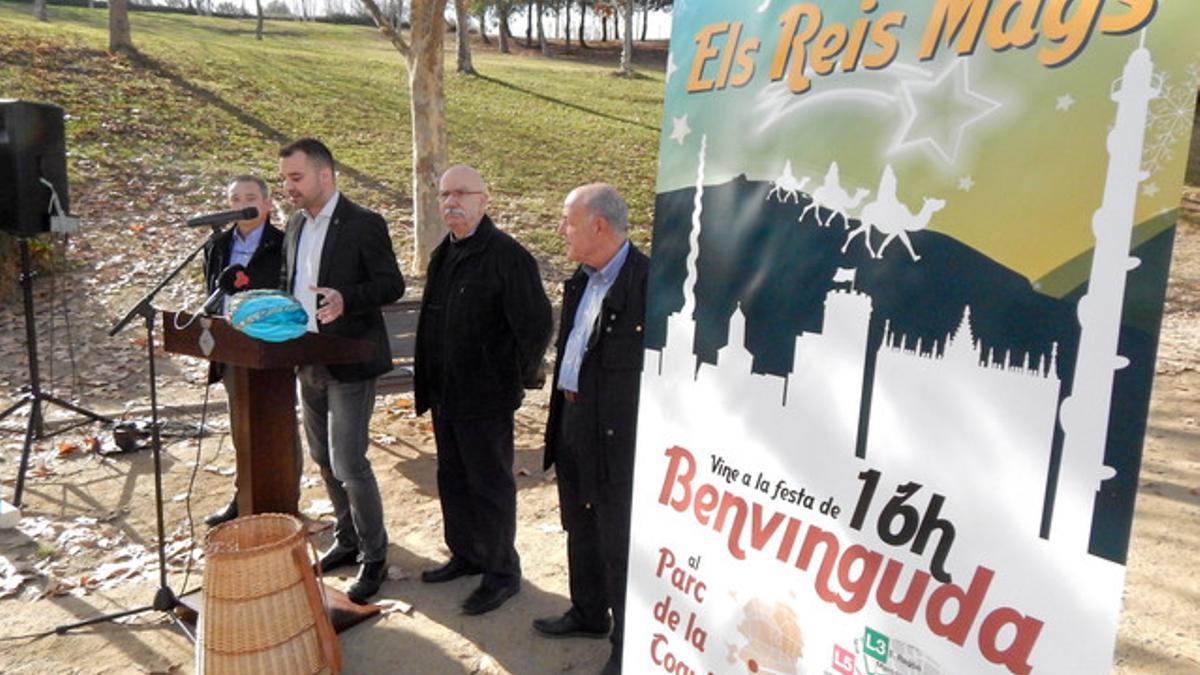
(262,609)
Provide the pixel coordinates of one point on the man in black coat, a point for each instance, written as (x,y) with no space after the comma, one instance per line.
(484,326)
(592,428)
(258,246)
(340,265)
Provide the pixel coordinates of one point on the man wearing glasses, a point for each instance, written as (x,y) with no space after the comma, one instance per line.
(485,324)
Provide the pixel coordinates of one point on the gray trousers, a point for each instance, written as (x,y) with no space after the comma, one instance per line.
(336,416)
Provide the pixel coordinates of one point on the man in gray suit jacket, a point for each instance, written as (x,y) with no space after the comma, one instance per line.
(340,265)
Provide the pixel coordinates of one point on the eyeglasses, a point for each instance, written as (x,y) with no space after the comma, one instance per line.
(457,194)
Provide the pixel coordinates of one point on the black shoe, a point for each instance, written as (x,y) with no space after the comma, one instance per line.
(223,515)
(613,665)
(337,556)
(485,599)
(455,568)
(570,625)
(370,577)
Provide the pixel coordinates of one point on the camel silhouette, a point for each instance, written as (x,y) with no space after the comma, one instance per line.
(787,186)
(888,215)
(834,198)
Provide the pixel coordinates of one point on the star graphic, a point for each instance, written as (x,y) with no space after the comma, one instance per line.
(966,183)
(937,113)
(671,67)
(679,129)
(1064,103)
(1150,190)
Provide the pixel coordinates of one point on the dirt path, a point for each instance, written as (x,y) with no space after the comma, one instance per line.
(85,545)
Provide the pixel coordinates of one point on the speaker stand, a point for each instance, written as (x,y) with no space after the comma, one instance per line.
(35,396)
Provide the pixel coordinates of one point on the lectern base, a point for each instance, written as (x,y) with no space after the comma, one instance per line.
(343,613)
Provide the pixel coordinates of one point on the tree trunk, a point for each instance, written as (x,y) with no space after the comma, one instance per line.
(258,25)
(541,30)
(627,45)
(118,27)
(529,24)
(604,28)
(464,37)
(39,10)
(505,35)
(397,16)
(427,108)
(483,25)
(645,20)
(582,22)
(567,32)
(616,17)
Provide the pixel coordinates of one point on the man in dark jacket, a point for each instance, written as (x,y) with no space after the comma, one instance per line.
(592,427)
(484,326)
(340,265)
(258,246)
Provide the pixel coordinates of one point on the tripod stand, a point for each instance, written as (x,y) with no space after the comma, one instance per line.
(36,397)
(165,599)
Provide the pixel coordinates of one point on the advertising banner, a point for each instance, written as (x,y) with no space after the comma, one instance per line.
(909,261)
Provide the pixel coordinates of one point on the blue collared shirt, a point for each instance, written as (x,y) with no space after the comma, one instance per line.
(586,314)
(241,250)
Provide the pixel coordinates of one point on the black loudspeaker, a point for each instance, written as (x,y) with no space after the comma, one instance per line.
(33,146)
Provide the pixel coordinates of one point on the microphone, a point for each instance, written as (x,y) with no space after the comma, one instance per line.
(231,280)
(248,213)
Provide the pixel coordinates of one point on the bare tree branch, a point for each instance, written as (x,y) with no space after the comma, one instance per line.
(390,33)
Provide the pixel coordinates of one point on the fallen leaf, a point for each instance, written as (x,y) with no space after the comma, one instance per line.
(485,665)
(395,607)
(320,507)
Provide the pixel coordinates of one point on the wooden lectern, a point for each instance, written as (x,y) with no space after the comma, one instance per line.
(263,417)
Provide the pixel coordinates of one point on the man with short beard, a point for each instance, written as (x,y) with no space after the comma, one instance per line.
(484,326)
(341,267)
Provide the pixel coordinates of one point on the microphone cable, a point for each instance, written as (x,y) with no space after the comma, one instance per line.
(191,523)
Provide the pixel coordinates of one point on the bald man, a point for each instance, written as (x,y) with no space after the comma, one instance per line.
(592,427)
(485,324)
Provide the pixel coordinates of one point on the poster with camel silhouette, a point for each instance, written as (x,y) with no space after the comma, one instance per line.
(909,262)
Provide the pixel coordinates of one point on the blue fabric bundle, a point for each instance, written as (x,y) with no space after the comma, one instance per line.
(273,316)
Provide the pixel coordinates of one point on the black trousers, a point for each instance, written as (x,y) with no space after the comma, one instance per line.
(479,494)
(595,515)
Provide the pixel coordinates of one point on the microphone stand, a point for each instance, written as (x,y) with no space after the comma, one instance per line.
(165,599)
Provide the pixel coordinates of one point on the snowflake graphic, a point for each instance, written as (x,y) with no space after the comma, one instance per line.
(1170,120)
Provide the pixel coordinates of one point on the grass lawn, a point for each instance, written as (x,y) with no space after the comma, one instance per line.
(153,137)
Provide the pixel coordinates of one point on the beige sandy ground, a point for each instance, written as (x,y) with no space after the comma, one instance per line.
(1160,627)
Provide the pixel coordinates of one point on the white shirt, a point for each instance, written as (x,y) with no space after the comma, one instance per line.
(308,258)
